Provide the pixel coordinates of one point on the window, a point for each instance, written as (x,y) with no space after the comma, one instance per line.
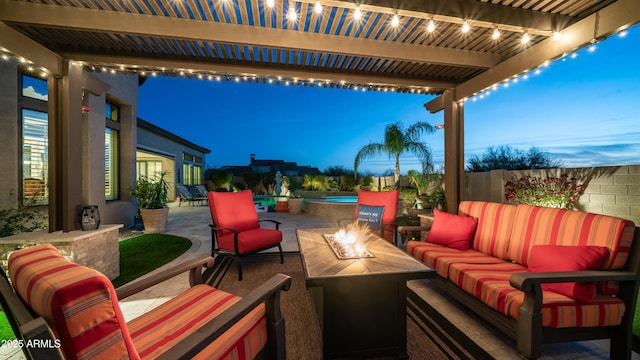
(35,140)
(191,173)
(148,169)
(111,152)
(35,157)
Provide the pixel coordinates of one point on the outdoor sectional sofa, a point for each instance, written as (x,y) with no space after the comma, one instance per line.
(514,272)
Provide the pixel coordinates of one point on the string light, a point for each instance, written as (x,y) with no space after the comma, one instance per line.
(291,14)
(557,35)
(525,38)
(432,26)
(318,8)
(271,3)
(465,27)
(395,21)
(496,34)
(357,14)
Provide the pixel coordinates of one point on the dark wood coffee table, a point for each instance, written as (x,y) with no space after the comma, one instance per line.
(361,304)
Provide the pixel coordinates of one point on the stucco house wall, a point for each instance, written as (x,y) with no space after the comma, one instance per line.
(8,132)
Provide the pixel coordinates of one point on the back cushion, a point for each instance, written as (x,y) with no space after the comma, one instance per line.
(536,225)
(79,303)
(494,226)
(233,210)
(388,199)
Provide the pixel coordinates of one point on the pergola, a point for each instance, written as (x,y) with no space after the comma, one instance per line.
(453,49)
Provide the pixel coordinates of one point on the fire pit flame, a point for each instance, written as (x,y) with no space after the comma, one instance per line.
(350,242)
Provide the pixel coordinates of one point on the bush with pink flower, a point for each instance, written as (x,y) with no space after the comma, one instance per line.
(559,192)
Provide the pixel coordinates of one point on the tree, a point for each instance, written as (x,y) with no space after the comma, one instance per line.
(220,178)
(337,170)
(397,141)
(506,157)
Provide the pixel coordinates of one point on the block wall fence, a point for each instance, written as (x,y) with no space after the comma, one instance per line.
(611,190)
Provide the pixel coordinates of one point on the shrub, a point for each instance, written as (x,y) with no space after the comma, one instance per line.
(22,219)
(561,192)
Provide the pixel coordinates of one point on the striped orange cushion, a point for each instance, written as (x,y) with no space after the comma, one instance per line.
(536,225)
(491,285)
(439,257)
(494,226)
(161,328)
(79,303)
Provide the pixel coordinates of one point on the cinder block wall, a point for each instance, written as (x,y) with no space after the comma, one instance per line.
(611,190)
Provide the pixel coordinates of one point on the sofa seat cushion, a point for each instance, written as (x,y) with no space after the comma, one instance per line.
(79,303)
(161,328)
(493,231)
(440,257)
(490,284)
(251,240)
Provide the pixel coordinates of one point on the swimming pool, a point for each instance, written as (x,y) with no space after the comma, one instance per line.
(341,199)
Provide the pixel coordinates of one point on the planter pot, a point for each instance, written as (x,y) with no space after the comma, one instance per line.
(155,220)
(295,206)
(282,206)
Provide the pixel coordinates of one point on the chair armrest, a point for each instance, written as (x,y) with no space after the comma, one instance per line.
(525,281)
(406,228)
(215,228)
(272,221)
(195,266)
(268,292)
(39,330)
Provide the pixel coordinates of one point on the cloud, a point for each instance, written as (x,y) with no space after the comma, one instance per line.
(31,92)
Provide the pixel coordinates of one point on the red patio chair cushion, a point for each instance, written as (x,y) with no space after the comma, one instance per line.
(251,240)
(233,210)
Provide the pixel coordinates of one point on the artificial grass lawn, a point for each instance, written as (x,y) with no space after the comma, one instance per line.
(138,256)
(142,254)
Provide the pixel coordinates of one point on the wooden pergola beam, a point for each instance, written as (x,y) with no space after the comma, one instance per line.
(91,20)
(21,45)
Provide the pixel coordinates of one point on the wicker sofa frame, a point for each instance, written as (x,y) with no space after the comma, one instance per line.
(528,331)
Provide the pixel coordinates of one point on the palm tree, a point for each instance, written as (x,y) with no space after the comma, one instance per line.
(398,141)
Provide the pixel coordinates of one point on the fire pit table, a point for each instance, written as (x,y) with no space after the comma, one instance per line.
(360,303)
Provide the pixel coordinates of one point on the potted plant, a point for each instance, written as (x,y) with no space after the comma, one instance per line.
(151,194)
(366,182)
(295,201)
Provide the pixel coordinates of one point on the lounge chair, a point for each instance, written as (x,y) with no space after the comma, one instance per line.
(190,197)
(71,311)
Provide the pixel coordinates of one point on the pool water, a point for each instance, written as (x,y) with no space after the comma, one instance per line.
(341,199)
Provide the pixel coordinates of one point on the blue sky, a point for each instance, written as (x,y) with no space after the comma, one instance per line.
(582,109)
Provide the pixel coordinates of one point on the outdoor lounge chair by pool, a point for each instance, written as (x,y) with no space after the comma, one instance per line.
(188,196)
(66,310)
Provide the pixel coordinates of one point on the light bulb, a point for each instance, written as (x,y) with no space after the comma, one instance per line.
(357,14)
(395,21)
(465,27)
(431,27)
(496,34)
(318,8)
(557,35)
(291,14)
(525,38)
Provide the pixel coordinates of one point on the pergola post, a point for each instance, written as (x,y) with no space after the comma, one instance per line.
(66,151)
(453,150)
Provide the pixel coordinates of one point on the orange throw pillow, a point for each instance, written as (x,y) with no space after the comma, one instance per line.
(451,230)
(551,258)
